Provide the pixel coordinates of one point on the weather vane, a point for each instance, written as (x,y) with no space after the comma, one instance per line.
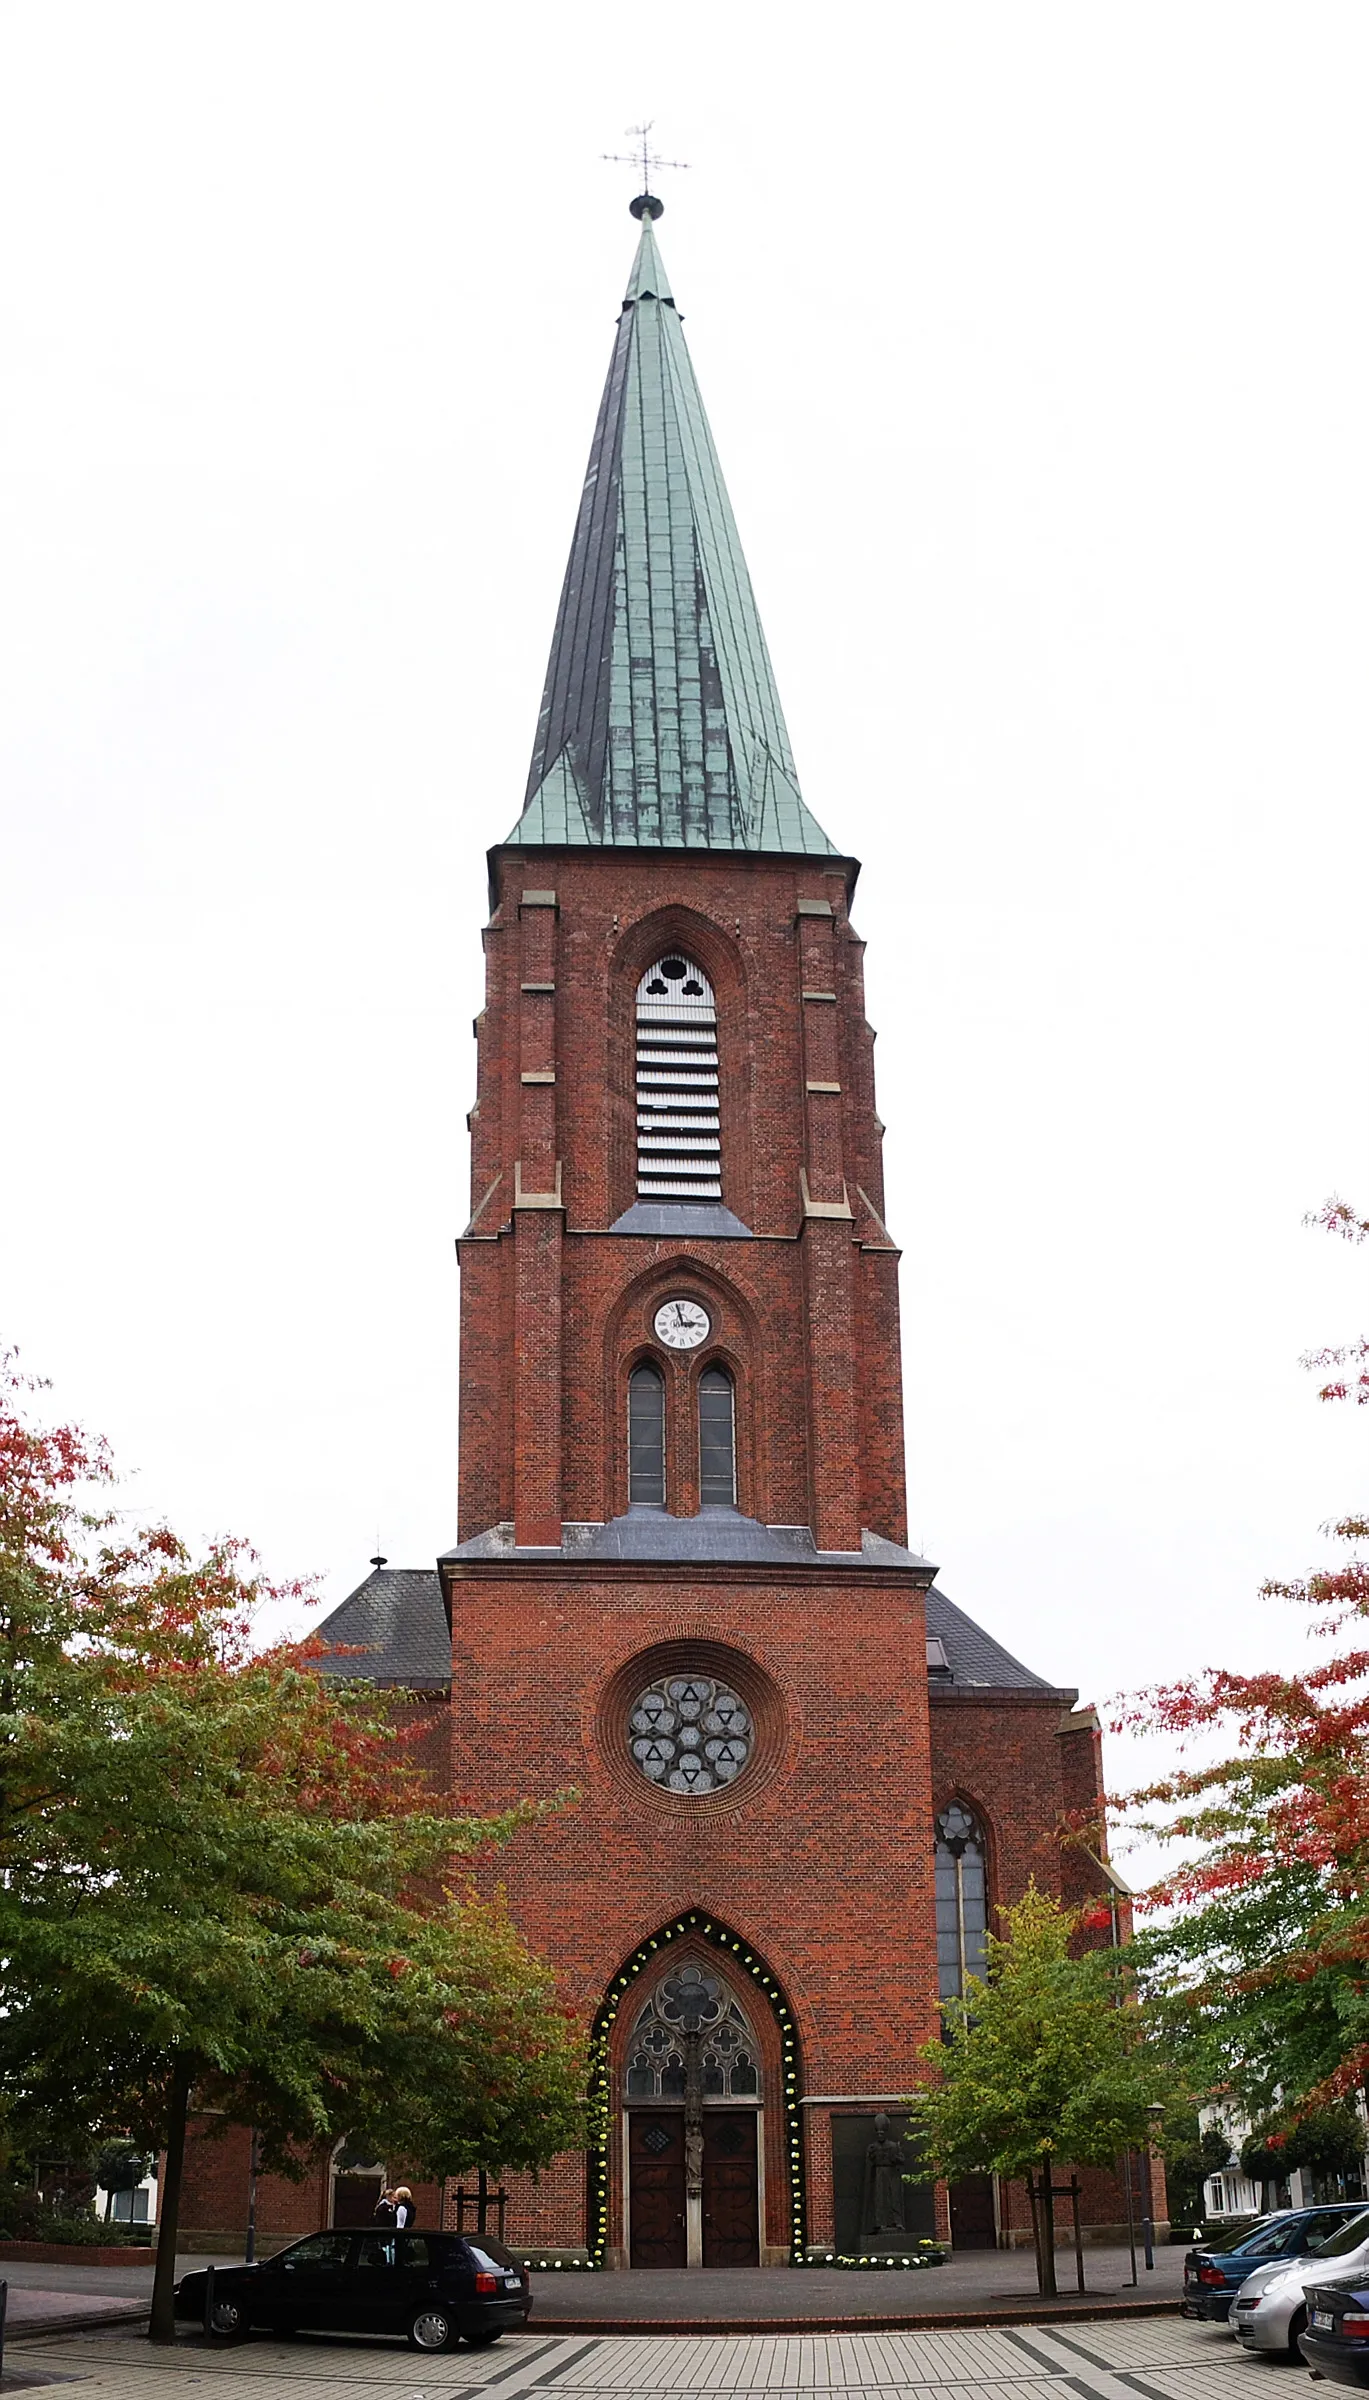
(646,158)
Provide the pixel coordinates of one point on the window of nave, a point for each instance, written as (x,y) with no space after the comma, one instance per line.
(679,1145)
(962,1913)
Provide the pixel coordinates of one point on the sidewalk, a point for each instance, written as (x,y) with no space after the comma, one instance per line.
(62,2299)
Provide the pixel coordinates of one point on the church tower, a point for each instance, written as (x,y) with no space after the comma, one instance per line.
(681,1584)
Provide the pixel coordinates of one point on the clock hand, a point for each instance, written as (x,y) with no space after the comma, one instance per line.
(680,1317)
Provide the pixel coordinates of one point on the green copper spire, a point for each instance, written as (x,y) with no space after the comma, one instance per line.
(660,723)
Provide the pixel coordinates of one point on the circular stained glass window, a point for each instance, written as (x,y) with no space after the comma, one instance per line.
(689,1733)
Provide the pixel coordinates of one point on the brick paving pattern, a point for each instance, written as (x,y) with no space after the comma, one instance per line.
(1146,2359)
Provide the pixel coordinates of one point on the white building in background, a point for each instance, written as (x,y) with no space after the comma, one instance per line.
(1230,2192)
(136,2207)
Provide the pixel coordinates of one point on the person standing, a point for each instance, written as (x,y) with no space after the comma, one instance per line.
(385,2208)
(403,2206)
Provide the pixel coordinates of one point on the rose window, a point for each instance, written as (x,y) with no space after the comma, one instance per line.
(689,1733)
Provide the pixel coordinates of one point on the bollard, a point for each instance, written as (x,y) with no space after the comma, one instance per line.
(4,2311)
(1148,2238)
(208,2302)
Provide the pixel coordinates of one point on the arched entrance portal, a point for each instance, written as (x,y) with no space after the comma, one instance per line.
(695,2068)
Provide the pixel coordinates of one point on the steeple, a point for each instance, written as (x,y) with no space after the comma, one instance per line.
(660,724)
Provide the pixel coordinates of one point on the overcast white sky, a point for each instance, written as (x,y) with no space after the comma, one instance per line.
(1034,343)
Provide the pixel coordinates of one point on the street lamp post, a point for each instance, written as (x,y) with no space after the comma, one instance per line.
(1155,2112)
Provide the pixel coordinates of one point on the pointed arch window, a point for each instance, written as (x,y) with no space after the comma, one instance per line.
(657,2060)
(962,1914)
(646,1438)
(679,1153)
(717,1440)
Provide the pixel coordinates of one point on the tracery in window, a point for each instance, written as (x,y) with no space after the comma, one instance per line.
(717,1440)
(690,1733)
(679,1155)
(646,1437)
(729,2060)
(961,1901)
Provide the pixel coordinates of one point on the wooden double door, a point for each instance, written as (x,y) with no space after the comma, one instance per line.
(657,2202)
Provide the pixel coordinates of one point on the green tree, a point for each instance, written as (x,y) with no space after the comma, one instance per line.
(221,1881)
(1046,2062)
(1256,1956)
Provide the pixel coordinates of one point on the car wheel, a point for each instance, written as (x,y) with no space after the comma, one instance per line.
(431,2329)
(1297,2324)
(484,2335)
(228,2320)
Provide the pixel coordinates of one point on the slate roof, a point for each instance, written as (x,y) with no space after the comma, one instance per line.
(394,1630)
(660,725)
(974,1657)
(393,1627)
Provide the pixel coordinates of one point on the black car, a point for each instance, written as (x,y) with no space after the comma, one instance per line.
(1214,2273)
(1335,2342)
(433,2287)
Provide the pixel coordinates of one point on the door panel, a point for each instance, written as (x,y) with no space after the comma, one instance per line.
(314,2280)
(972,2217)
(656,2167)
(354,2199)
(731,2209)
(378,2286)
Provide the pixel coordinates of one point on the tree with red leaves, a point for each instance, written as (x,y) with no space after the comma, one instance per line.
(1260,1958)
(222,1884)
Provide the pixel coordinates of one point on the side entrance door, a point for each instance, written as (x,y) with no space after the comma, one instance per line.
(731,2202)
(972,2217)
(656,2172)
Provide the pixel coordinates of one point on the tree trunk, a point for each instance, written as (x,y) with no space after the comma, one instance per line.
(162,2322)
(1045,2269)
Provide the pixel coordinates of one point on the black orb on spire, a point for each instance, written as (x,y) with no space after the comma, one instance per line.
(646,204)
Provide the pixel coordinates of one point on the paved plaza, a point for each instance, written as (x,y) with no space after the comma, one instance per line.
(973,2285)
(1150,2358)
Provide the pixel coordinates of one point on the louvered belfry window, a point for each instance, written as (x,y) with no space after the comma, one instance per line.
(679,1153)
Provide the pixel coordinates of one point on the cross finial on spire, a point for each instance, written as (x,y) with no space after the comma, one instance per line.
(646,203)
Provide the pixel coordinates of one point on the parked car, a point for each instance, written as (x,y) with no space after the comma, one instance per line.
(1270,2309)
(1214,2271)
(1336,2341)
(434,2287)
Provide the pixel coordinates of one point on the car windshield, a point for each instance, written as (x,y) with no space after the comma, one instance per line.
(1350,2237)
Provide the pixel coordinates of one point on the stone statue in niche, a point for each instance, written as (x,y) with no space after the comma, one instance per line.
(694,2159)
(882,2217)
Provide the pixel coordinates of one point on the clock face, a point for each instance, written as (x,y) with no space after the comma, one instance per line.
(682,1324)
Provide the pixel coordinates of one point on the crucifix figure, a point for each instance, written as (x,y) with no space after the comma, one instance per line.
(692,2000)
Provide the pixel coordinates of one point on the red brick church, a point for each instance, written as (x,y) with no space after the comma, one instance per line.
(681,1580)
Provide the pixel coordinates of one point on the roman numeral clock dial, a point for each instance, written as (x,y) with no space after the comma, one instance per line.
(682,1324)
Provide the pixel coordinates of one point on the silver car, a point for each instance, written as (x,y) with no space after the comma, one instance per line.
(1268,2312)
